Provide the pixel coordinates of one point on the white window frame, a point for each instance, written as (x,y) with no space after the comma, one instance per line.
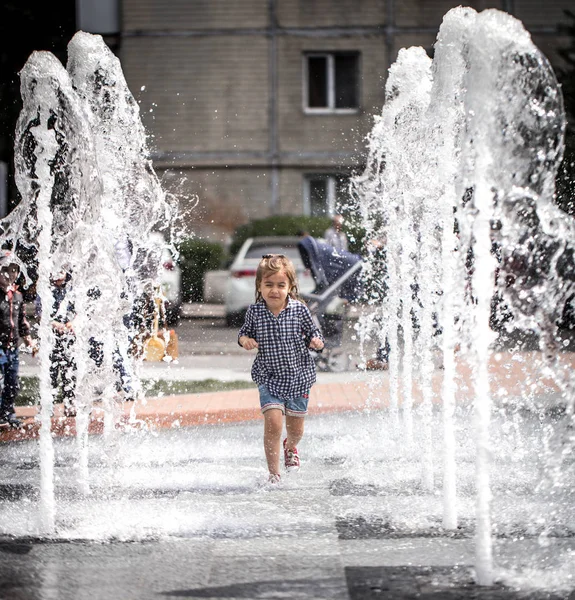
(331,108)
(331,192)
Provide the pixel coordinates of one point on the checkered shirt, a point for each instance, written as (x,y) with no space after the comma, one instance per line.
(283,363)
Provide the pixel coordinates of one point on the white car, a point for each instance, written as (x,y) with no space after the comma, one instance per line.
(240,288)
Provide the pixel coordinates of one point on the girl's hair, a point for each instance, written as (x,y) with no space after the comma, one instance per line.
(271,264)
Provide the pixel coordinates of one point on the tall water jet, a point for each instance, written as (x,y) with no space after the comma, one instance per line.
(512,146)
(495,125)
(60,189)
(394,223)
(446,120)
(133,201)
(82,191)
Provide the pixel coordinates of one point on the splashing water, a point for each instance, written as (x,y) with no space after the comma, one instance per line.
(424,176)
(88,189)
(460,184)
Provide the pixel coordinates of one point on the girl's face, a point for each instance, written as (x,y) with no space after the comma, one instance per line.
(274,290)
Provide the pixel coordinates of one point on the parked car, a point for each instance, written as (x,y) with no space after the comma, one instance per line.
(157,262)
(240,288)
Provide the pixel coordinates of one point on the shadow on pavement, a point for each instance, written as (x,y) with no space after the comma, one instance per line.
(292,589)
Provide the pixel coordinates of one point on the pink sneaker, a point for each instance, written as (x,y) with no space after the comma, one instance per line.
(274,478)
(291,458)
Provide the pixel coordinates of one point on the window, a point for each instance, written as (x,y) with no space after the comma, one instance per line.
(323,194)
(331,82)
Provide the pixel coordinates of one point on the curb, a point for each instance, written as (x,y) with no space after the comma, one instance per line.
(508,371)
(199,310)
(188,410)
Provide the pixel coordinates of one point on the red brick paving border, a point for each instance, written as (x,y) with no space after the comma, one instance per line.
(515,372)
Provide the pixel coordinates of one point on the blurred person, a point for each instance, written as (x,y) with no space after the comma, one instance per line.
(335,236)
(62,363)
(121,364)
(13,326)
(376,291)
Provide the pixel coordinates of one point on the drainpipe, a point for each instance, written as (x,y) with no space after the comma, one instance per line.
(389,30)
(508,6)
(273,100)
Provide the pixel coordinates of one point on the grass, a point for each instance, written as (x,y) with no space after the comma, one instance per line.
(161,387)
(30,388)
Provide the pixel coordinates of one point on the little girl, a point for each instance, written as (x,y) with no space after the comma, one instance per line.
(280,326)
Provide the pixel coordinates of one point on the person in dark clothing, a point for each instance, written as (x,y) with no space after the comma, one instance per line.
(62,363)
(96,353)
(376,291)
(13,326)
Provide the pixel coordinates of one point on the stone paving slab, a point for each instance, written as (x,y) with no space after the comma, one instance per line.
(197,569)
(429,583)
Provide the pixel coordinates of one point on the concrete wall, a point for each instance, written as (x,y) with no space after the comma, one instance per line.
(331,13)
(301,132)
(205,94)
(178,15)
(220,85)
(216,200)
(535,14)
(429,13)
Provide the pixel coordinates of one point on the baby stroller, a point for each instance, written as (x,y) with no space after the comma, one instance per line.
(337,283)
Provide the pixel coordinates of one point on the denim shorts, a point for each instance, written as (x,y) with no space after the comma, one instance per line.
(292,408)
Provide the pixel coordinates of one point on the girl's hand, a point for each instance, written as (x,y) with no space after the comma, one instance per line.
(316,343)
(248,343)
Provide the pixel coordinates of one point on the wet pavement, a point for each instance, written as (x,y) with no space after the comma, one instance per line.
(188,514)
(177,510)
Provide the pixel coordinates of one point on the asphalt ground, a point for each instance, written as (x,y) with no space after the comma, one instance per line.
(208,349)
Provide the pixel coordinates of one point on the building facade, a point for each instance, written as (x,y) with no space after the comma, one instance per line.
(261,107)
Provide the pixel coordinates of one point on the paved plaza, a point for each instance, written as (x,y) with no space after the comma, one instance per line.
(185,512)
(179,506)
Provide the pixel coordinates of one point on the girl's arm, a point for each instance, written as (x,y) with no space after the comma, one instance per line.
(247,332)
(247,342)
(312,333)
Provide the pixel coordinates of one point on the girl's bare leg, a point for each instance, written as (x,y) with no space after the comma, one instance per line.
(294,427)
(273,426)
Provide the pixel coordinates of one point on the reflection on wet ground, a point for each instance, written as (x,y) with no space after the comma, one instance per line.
(188,514)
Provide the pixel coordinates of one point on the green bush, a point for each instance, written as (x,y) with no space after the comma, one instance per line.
(196,257)
(355,238)
(30,388)
(290,225)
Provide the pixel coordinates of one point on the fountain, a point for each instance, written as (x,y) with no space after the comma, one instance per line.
(87,188)
(460,182)
(461,161)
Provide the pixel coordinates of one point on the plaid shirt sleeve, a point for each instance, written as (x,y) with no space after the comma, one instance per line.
(248,328)
(309,328)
